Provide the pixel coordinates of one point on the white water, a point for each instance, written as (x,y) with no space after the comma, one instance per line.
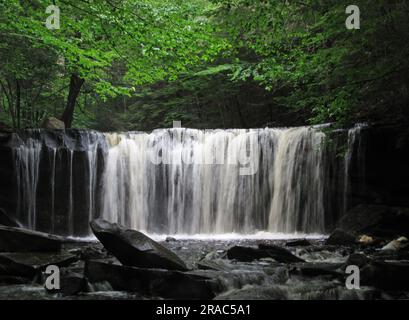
(267,183)
(200,189)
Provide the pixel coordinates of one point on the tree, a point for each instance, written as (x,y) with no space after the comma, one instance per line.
(146,41)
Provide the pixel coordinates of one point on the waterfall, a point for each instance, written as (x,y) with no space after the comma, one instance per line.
(179,181)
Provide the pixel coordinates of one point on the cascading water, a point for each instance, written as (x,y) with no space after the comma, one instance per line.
(178,181)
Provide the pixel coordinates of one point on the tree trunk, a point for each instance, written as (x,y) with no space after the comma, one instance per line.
(76,83)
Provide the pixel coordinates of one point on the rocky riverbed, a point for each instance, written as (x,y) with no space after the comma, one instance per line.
(125,264)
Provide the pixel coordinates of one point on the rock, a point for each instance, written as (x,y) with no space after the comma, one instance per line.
(133,248)
(396,244)
(357,259)
(387,276)
(255,293)
(366,240)
(151,282)
(339,237)
(40,260)
(5,220)
(170,239)
(71,284)
(23,240)
(298,243)
(217,265)
(280,254)
(53,123)
(318,269)
(247,254)
(8,267)
(376,220)
(29,265)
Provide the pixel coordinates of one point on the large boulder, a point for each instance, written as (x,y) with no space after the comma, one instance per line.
(151,282)
(386,275)
(341,238)
(23,240)
(53,123)
(376,220)
(5,220)
(133,248)
(247,254)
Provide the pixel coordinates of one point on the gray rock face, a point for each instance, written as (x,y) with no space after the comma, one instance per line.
(23,240)
(151,282)
(133,248)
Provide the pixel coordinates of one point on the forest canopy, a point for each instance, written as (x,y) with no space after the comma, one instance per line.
(141,64)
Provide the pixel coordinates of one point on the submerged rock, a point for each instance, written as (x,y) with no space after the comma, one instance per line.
(5,220)
(298,243)
(23,240)
(151,282)
(133,248)
(247,254)
(339,237)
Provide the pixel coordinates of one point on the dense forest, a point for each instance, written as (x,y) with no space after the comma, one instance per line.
(141,64)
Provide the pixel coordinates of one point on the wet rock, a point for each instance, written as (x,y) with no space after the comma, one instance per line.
(5,220)
(280,254)
(339,237)
(71,284)
(254,293)
(376,220)
(8,267)
(357,259)
(170,239)
(247,254)
(23,240)
(298,243)
(396,244)
(9,280)
(386,275)
(29,265)
(151,282)
(367,240)
(53,123)
(318,269)
(133,248)
(40,260)
(217,265)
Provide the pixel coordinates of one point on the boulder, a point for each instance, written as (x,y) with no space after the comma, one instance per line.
(386,275)
(151,282)
(5,220)
(71,284)
(133,248)
(376,220)
(40,260)
(396,244)
(28,265)
(53,123)
(247,254)
(357,259)
(339,237)
(23,240)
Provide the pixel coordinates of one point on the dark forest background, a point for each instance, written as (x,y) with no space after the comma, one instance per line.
(141,64)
